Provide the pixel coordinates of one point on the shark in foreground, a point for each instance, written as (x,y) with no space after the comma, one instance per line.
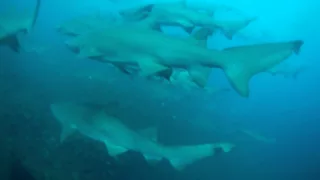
(118,138)
(178,14)
(201,36)
(14,23)
(155,52)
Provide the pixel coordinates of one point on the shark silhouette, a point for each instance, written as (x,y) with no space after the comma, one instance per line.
(93,122)
(154,52)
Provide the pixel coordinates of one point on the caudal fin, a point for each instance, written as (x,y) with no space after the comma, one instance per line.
(182,156)
(35,15)
(230,28)
(241,63)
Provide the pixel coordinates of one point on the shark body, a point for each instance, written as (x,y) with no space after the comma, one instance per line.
(178,14)
(14,23)
(118,138)
(201,36)
(153,52)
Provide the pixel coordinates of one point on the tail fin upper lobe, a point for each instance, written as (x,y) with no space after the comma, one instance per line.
(241,63)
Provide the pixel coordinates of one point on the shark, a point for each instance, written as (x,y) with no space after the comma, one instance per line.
(178,14)
(201,36)
(154,52)
(14,23)
(92,121)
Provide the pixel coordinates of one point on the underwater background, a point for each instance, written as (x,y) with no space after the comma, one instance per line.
(284,110)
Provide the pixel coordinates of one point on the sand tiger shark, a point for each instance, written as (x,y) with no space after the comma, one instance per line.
(14,23)
(201,36)
(154,52)
(118,138)
(178,14)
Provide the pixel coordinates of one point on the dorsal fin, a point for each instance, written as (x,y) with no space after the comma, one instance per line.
(150,133)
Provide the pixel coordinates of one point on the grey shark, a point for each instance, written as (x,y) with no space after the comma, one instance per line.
(201,36)
(14,23)
(153,52)
(93,122)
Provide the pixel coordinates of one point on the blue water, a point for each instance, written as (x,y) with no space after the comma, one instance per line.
(285,109)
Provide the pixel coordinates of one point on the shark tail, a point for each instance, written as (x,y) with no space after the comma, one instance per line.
(35,15)
(231,28)
(241,63)
(186,155)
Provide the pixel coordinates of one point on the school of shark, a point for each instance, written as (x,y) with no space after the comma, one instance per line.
(136,45)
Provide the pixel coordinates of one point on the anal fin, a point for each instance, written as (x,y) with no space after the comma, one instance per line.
(149,67)
(200,75)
